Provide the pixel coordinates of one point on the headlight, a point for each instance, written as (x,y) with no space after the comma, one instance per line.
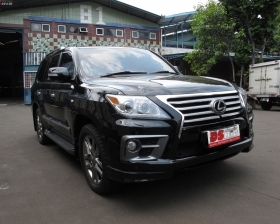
(136,106)
(243,95)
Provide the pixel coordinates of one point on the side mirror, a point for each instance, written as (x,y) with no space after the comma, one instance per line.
(58,74)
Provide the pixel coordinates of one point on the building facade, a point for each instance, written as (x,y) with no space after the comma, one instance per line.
(27,34)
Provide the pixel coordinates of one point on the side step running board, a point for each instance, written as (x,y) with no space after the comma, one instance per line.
(61,142)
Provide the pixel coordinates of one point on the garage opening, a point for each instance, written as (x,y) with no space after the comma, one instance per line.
(11,65)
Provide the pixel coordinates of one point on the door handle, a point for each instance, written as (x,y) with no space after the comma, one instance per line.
(39,93)
(52,95)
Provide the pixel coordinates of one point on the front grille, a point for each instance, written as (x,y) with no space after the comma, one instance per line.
(197,110)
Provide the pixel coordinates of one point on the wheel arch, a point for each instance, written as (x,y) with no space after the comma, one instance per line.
(79,122)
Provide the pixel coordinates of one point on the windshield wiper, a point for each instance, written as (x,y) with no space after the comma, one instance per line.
(163,71)
(123,73)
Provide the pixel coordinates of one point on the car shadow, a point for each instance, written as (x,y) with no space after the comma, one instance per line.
(184,187)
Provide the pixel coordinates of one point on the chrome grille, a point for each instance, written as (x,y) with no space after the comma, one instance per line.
(196,108)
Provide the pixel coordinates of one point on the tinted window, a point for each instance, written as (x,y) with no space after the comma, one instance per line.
(41,70)
(66,61)
(54,61)
(101,61)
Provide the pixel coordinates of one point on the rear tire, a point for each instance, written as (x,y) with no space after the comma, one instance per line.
(42,138)
(94,160)
(266,106)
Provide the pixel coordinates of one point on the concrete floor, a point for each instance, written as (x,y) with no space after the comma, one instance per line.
(43,184)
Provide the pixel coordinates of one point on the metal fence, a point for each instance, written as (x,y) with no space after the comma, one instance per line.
(33,58)
(29,78)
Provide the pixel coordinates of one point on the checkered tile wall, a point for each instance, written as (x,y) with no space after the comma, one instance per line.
(44,42)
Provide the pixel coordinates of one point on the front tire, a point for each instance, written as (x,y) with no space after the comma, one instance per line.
(94,161)
(42,138)
(266,106)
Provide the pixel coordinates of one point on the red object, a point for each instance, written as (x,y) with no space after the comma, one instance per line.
(223,136)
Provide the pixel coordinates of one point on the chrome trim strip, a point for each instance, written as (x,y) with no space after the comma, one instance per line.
(243,103)
(150,146)
(205,106)
(211,118)
(233,108)
(198,94)
(192,108)
(143,136)
(228,115)
(163,98)
(157,152)
(210,112)
(233,102)
(202,119)
(198,113)
(203,100)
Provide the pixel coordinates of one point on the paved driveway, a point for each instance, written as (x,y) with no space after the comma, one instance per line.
(43,184)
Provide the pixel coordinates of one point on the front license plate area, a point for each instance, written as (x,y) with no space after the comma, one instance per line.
(223,136)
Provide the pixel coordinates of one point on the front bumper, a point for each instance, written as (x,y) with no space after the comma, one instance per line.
(164,168)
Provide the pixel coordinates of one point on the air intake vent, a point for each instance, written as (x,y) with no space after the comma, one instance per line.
(83,30)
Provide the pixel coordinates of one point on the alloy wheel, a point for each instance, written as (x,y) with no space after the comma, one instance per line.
(93,165)
(39,127)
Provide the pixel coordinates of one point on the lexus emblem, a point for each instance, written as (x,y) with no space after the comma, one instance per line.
(218,106)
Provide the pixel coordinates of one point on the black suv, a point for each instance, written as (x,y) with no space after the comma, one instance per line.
(130,116)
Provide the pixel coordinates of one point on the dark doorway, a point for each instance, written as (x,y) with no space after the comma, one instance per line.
(11,65)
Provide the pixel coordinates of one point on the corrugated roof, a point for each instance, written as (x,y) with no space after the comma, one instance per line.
(114,4)
(177,18)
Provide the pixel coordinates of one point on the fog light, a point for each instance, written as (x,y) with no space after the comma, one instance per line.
(133,145)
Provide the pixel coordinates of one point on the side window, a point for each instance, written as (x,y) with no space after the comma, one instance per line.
(42,70)
(66,61)
(53,63)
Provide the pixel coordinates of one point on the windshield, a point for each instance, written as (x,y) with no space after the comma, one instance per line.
(103,61)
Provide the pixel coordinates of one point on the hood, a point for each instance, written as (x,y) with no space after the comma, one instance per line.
(150,85)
